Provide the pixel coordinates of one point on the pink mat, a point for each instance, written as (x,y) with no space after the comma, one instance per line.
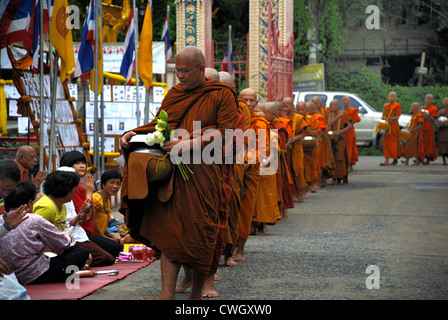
(59,291)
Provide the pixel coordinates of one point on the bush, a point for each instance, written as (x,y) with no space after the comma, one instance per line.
(368,84)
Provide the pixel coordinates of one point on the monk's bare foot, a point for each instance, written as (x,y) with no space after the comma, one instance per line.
(216,277)
(384,163)
(394,162)
(262,233)
(239,257)
(183,286)
(230,262)
(209,290)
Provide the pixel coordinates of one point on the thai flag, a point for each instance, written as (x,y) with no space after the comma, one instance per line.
(15,18)
(128,63)
(166,38)
(85,61)
(227,61)
(19,21)
(35,22)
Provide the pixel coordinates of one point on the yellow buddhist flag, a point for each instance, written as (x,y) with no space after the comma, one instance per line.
(144,54)
(61,37)
(3,109)
(100,64)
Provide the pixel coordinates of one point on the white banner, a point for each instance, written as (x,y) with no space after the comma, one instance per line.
(112,56)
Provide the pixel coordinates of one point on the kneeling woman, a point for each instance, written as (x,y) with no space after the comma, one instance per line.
(23,247)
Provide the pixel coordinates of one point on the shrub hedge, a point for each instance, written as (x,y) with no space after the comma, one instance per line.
(369,85)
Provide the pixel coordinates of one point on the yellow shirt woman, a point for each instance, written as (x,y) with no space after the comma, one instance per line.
(102,211)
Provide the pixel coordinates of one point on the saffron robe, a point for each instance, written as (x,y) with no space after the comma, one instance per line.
(295,155)
(252,175)
(285,182)
(186,226)
(414,146)
(392,148)
(237,184)
(311,158)
(350,137)
(339,148)
(429,140)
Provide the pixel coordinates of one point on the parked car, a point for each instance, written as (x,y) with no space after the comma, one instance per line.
(365,129)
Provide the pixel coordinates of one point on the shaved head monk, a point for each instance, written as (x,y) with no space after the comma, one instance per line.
(251,173)
(392,148)
(27,159)
(211,74)
(350,136)
(294,148)
(183,224)
(430,112)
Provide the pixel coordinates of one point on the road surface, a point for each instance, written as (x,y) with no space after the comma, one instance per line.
(384,236)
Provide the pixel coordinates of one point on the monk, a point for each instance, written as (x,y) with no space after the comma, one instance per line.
(429,112)
(327,161)
(392,148)
(251,173)
(350,136)
(443,131)
(414,146)
(294,148)
(319,156)
(285,182)
(311,158)
(339,122)
(266,210)
(211,74)
(237,182)
(183,221)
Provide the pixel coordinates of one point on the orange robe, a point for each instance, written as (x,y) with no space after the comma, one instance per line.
(414,146)
(429,140)
(327,153)
(321,142)
(266,208)
(350,137)
(340,149)
(295,155)
(252,177)
(392,148)
(237,184)
(285,183)
(185,227)
(311,158)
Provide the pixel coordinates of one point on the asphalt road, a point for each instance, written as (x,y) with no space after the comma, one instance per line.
(381,237)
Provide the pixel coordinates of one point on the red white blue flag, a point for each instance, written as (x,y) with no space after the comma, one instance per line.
(227,61)
(128,63)
(166,39)
(85,61)
(19,21)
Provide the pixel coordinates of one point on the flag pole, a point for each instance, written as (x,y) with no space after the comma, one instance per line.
(137,100)
(96,129)
(41,93)
(148,93)
(102,158)
(53,66)
(53,112)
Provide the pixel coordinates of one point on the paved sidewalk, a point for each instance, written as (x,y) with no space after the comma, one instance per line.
(394,219)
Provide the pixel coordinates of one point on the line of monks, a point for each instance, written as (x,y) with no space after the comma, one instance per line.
(418,137)
(314,144)
(194,223)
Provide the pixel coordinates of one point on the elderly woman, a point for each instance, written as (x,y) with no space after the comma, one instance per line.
(23,247)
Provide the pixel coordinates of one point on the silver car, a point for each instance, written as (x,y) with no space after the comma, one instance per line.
(365,129)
